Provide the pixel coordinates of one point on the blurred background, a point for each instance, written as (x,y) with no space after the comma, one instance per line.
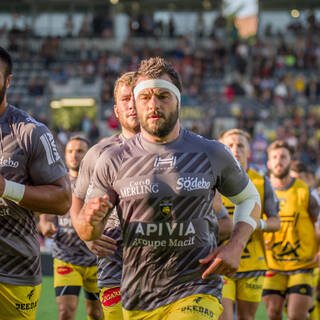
(248,64)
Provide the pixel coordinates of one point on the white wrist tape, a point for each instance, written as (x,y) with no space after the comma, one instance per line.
(262,224)
(13,191)
(245,201)
(157,83)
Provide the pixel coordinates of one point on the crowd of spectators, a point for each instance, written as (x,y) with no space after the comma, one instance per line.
(273,80)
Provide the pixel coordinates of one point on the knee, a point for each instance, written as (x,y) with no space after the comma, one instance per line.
(66,312)
(297,315)
(274,313)
(95,314)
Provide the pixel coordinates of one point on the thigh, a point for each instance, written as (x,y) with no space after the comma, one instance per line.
(90,280)
(66,274)
(298,306)
(246,310)
(229,288)
(18,302)
(299,295)
(110,299)
(274,292)
(250,289)
(275,284)
(196,307)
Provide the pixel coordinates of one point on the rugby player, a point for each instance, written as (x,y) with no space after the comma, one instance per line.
(32,178)
(109,246)
(291,251)
(167,271)
(299,170)
(245,286)
(75,266)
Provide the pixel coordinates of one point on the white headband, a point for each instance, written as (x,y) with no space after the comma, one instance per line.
(157,83)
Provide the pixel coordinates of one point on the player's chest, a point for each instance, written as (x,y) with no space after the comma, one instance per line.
(167,175)
(12,156)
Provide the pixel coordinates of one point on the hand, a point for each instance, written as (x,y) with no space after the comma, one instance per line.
(96,209)
(226,260)
(48,229)
(103,246)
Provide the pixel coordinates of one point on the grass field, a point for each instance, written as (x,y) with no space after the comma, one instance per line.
(48,309)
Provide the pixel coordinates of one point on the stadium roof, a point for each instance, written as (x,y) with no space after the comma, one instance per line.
(22,6)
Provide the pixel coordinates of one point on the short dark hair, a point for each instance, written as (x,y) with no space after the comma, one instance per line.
(299,167)
(156,67)
(6,59)
(80,138)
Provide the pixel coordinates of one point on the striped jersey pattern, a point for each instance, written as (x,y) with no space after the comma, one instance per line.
(67,245)
(28,155)
(109,267)
(164,194)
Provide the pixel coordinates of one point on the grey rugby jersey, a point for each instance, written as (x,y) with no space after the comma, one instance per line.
(28,155)
(164,195)
(67,245)
(109,267)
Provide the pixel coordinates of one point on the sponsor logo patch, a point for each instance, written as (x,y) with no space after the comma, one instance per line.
(64,270)
(8,162)
(270,274)
(165,163)
(50,147)
(197,309)
(30,294)
(111,297)
(140,187)
(192,183)
(27,306)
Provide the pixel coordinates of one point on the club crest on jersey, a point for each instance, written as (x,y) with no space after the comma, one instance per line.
(166,207)
(165,163)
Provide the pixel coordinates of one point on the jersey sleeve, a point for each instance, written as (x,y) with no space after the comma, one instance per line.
(85,172)
(270,201)
(232,179)
(101,180)
(314,204)
(44,161)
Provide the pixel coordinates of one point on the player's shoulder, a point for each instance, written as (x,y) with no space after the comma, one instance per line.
(24,123)
(200,142)
(97,149)
(121,149)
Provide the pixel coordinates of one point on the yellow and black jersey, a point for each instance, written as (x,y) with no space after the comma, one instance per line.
(253,262)
(294,246)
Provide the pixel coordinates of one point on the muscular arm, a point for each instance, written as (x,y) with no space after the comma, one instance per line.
(270,208)
(225,227)
(54,198)
(92,218)
(77,204)
(246,215)
(314,205)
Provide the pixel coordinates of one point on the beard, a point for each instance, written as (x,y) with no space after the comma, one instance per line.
(3,91)
(129,124)
(133,127)
(74,168)
(162,129)
(282,174)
